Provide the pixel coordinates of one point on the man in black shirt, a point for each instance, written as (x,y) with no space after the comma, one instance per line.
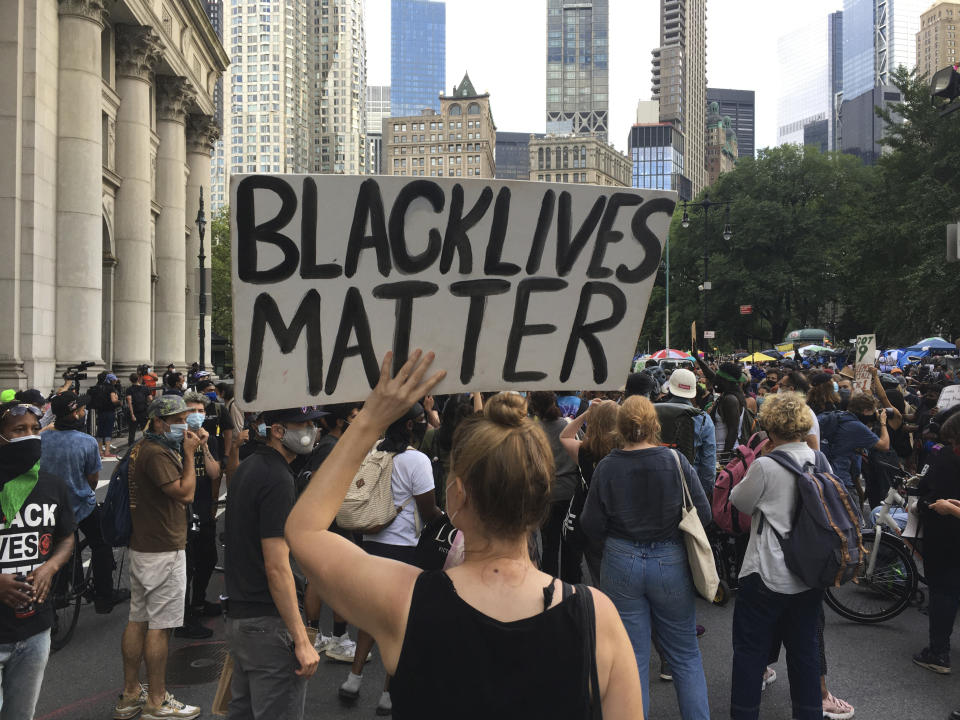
(135,401)
(36,537)
(273,655)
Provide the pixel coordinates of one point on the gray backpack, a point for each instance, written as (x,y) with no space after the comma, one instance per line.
(824,547)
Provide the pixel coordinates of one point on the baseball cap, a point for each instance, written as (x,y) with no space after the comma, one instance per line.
(296,414)
(166,405)
(66,402)
(32,397)
(820,378)
(683,383)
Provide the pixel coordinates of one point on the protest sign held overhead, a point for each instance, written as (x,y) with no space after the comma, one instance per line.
(514,285)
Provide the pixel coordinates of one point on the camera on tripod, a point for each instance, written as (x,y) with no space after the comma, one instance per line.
(75,373)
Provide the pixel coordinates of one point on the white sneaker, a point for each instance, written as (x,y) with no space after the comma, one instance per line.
(171,708)
(342,649)
(322,642)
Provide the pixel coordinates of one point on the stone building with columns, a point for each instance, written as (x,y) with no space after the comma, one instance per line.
(106,127)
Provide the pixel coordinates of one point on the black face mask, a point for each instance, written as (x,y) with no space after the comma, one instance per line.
(419,430)
(18,457)
(69,423)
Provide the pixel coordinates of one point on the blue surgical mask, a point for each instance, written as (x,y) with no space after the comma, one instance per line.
(176,432)
(212,395)
(836,388)
(195,420)
(262,429)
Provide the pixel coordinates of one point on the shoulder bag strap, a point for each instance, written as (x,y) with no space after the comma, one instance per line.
(588,619)
(687,499)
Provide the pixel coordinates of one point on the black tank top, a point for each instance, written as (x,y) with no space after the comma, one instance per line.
(457,662)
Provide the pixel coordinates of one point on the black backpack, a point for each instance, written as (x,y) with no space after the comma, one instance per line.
(116,523)
(677,429)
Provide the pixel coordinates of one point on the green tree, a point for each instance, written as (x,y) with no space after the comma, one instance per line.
(220,274)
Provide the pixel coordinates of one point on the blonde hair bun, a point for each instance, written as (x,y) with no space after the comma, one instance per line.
(508,409)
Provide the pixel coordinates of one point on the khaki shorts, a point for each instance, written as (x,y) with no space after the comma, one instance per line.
(158,588)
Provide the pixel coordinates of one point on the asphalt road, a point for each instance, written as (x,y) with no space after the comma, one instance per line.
(869,666)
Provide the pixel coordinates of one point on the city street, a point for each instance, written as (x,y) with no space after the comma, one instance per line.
(869,666)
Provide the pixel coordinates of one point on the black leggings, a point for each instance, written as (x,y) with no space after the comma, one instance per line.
(201,561)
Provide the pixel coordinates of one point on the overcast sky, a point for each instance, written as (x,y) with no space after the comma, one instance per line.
(502,43)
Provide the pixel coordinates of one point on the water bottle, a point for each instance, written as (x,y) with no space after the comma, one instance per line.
(27,610)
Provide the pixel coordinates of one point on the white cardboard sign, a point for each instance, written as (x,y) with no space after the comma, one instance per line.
(949,397)
(514,285)
(866,353)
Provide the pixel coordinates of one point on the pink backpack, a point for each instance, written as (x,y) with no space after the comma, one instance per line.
(725,515)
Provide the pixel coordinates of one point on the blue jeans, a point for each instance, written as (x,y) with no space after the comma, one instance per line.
(21,674)
(650,585)
(760,616)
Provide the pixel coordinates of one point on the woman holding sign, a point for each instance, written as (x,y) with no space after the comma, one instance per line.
(493,637)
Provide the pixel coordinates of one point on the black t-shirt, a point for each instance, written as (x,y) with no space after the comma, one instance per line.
(215,424)
(45,518)
(260,498)
(139,397)
(305,469)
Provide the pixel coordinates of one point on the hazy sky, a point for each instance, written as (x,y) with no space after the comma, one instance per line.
(502,43)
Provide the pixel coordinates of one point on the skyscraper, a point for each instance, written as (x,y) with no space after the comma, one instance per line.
(268,87)
(680,81)
(878,36)
(740,107)
(577,66)
(418,46)
(938,37)
(338,91)
(218,161)
(804,88)
(378,108)
(834,76)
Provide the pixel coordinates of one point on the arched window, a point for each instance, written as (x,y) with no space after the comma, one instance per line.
(566,157)
(559,159)
(583,156)
(540,159)
(456,110)
(576,156)
(549,155)
(473,109)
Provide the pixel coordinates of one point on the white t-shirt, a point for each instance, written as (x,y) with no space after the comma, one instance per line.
(412,475)
(815,430)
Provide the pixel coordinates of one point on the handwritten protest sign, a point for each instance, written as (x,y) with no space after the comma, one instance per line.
(949,397)
(514,285)
(866,353)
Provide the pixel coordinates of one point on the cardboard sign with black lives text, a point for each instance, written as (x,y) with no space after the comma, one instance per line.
(514,285)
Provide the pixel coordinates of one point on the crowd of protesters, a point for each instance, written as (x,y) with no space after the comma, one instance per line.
(509,474)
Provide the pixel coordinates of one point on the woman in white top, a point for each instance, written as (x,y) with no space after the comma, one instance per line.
(773,603)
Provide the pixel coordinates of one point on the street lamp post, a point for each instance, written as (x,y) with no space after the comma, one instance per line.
(705,205)
(201,227)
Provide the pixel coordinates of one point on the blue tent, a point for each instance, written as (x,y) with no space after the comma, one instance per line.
(931,343)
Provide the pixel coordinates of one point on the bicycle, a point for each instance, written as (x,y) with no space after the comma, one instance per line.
(887,583)
(72,586)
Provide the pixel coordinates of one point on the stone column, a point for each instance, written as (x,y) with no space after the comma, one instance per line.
(174,95)
(138,50)
(202,133)
(79,184)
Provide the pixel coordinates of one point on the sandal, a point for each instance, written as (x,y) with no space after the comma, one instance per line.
(769,678)
(836,709)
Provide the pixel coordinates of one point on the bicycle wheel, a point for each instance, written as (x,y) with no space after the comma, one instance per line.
(65,597)
(887,592)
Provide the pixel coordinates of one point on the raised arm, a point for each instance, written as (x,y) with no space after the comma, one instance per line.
(568,436)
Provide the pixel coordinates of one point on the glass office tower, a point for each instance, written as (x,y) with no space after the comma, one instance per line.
(418,47)
(577,66)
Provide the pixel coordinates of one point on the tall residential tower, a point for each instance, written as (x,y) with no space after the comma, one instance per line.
(938,37)
(577,66)
(418,46)
(680,80)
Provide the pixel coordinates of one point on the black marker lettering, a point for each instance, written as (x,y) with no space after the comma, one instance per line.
(519,329)
(309,270)
(493,265)
(456,239)
(568,251)
(478,291)
(249,234)
(266,312)
(606,234)
(403,292)
(648,241)
(404,262)
(585,332)
(369,205)
(540,234)
(353,320)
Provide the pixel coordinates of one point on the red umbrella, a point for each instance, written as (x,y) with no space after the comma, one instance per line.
(670,354)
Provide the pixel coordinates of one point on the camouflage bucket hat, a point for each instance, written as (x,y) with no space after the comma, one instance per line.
(166,405)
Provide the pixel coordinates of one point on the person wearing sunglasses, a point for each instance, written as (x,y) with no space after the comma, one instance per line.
(37,535)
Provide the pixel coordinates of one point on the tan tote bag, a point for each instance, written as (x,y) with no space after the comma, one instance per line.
(699,554)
